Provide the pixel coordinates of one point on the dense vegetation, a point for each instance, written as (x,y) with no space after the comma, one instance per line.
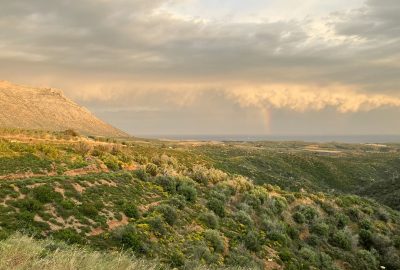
(181,204)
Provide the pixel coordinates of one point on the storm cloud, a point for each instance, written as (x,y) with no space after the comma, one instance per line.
(140,54)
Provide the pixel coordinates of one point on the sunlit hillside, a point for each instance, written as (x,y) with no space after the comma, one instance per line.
(184,205)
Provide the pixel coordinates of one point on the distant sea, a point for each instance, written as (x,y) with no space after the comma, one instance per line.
(304,138)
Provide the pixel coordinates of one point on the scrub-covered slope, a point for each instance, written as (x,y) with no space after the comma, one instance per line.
(165,202)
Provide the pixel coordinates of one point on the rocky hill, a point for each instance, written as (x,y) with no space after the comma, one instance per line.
(48,109)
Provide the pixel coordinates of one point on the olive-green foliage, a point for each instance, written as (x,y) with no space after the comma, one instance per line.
(209,219)
(321,229)
(188,191)
(341,239)
(217,206)
(366,260)
(151,169)
(157,225)
(299,217)
(169,214)
(188,215)
(46,194)
(68,235)
(131,210)
(251,241)
(129,237)
(215,240)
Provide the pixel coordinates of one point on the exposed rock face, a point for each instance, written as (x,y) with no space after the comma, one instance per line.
(47,109)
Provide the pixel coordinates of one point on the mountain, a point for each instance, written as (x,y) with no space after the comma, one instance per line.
(48,109)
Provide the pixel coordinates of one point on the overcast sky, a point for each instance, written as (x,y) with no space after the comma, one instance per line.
(213,67)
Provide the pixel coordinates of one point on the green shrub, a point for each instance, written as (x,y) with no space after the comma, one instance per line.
(286,255)
(217,206)
(341,221)
(178,201)
(391,259)
(141,174)
(188,191)
(27,204)
(131,238)
(308,254)
(313,240)
(324,261)
(200,174)
(215,240)
(383,215)
(366,224)
(278,205)
(292,232)
(251,241)
(366,260)
(168,183)
(67,204)
(240,257)
(69,236)
(365,238)
(396,242)
(342,240)
(298,217)
(46,194)
(169,213)
(209,219)
(176,258)
(88,209)
(151,169)
(310,213)
(243,218)
(321,229)
(354,214)
(131,210)
(157,225)
(381,242)
(111,162)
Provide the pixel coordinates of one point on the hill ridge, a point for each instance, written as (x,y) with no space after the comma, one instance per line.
(48,109)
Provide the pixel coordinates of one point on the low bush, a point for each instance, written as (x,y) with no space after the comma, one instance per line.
(46,194)
(366,260)
(131,210)
(88,209)
(251,241)
(209,219)
(131,238)
(69,236)
(298,217)
(157,225)
(176,258)
(217,206)
(342,240)
(365,238)
(215,240)
(169,213)
(320,229)
(188,191)
(151,169)
(244,218)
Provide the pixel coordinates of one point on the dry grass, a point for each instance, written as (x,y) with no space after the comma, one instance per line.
(22,252)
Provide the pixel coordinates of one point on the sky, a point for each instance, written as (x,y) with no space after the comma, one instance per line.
(237,67)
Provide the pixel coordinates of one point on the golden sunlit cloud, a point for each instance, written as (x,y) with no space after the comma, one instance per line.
(305,98)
